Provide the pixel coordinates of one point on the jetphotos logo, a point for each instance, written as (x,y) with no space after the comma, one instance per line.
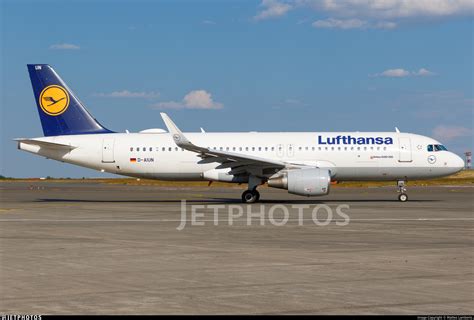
(354,140)
(261,215)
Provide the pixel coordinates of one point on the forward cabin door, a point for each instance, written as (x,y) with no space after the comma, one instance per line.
(108,150)
(404,150)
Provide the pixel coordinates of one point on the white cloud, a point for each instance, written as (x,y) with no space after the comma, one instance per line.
(129,94)
(272,9)
(64,46)
(448,133)
(332,23)
(368,14)
(340,24)
(389,9)
(401,73)
(196,99)
(423,73)
(385,25)
(395,73)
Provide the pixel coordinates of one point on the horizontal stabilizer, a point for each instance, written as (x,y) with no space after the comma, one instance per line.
(46,144)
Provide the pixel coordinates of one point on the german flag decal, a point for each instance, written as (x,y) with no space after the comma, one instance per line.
(133,159)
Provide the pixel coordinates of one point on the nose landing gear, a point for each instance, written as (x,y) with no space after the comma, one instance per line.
(401,188)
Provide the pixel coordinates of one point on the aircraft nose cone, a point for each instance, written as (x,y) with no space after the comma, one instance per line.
(457,162)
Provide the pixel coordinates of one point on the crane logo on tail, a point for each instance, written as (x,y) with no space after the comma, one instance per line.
(54,100)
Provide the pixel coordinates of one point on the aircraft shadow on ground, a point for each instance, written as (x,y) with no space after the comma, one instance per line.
(232,201)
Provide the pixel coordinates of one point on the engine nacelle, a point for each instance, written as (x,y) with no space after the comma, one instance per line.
(303,182)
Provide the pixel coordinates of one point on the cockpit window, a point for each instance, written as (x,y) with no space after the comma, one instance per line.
(436,147)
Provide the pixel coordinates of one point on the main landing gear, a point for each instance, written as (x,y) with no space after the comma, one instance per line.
(251,195)
(401,188)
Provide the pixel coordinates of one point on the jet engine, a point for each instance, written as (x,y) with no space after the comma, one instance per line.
(303,182)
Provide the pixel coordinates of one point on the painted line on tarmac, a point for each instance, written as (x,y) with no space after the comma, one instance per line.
(235,220)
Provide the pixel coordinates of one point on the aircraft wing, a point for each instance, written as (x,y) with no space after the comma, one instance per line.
(239,163)
(45,144)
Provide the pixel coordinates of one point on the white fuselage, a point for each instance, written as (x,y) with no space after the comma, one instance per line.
(156,156)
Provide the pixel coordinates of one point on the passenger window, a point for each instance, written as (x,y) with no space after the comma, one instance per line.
(151,149)
(131,149)
(163,149)
(169,149)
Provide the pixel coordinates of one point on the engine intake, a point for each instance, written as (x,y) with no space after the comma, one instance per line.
(303,182)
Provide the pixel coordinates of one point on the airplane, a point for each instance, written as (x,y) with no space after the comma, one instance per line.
(303,163)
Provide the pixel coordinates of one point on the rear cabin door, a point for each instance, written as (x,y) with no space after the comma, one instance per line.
(108,150)
(404,150)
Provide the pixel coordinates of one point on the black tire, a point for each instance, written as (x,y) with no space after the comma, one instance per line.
(402,197)
(249,196)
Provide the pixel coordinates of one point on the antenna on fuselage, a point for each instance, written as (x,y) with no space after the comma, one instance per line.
(202,130)
(396,130)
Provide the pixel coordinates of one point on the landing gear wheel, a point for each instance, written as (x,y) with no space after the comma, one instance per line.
(402,197)
(250,196)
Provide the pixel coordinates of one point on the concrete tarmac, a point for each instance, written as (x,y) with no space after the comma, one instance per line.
(87,248)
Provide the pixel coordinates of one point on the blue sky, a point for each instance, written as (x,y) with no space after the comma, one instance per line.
(243,65)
